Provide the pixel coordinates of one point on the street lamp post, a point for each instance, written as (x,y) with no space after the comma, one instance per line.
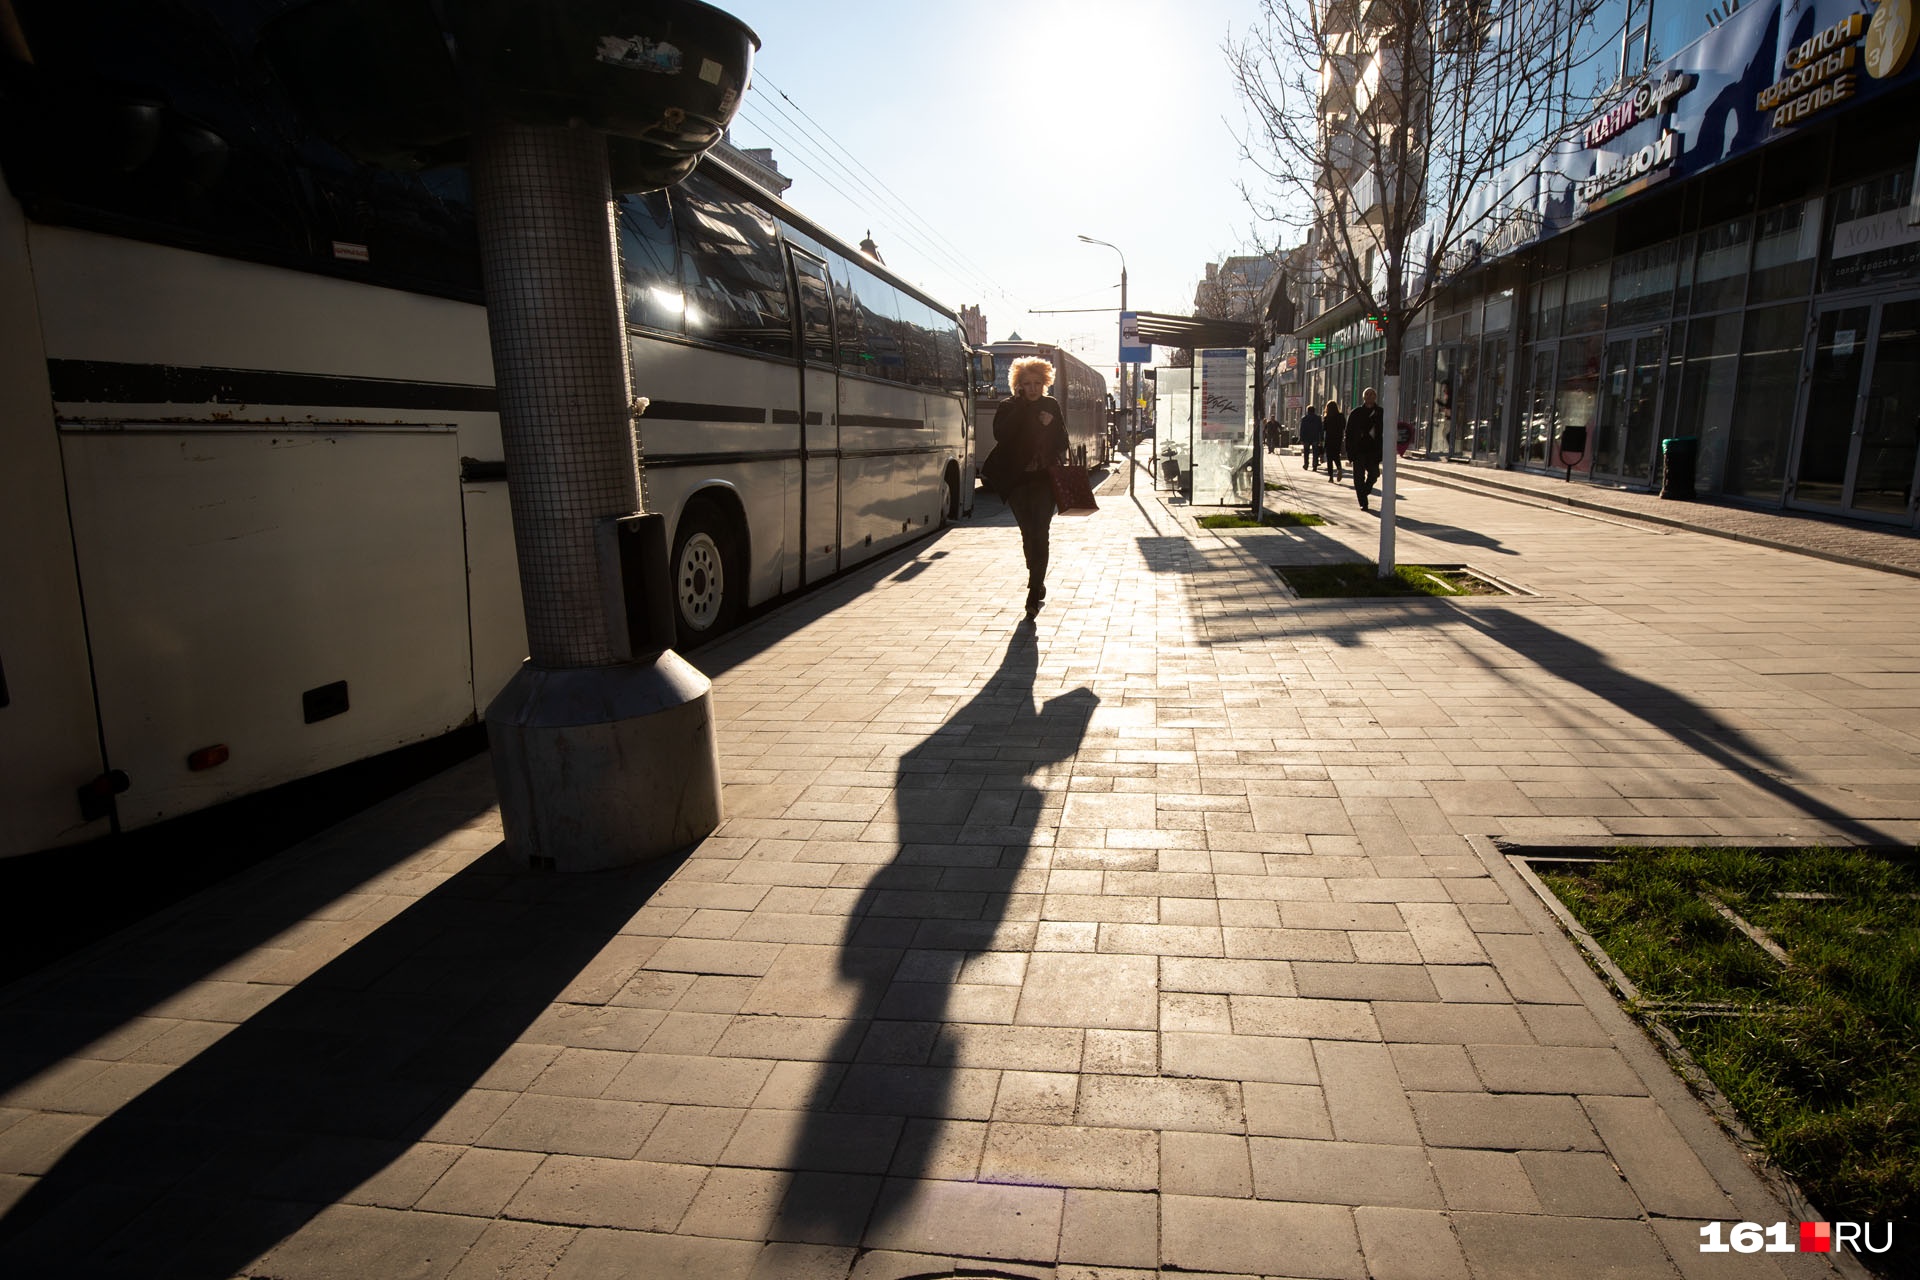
(1129,387)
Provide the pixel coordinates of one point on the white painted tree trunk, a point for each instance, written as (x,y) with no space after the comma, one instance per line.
(1389,453)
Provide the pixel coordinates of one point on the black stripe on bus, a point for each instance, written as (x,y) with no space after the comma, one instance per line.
(475,469)
(117,382)
(689,411)
(789,418)
(871,420)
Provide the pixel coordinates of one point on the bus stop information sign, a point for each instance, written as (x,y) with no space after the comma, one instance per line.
(1132,349)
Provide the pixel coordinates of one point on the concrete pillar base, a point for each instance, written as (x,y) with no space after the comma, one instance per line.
(604,766)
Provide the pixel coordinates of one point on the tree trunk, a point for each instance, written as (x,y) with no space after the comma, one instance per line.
(1389,436)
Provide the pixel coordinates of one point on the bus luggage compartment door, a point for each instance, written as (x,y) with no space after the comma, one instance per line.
(232,573)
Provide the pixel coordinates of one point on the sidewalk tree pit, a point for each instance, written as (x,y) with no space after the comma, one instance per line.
(1361,580)
(1270,519)
(1791,979)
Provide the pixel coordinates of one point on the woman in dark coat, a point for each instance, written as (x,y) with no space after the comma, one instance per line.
(1030,430)
(1335,423)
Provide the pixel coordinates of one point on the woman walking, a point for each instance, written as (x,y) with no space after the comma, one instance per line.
(1029,435)
(1335,424)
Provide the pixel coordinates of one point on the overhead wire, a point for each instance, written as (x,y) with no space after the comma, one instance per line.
(908,225)
(807,154)
(901,204)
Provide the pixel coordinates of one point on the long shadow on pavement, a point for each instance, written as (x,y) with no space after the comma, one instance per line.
(57,1014)
(1686,721)
(324,1088)
(929,933)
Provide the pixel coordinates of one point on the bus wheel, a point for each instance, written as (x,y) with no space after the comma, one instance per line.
(949,497)
(709,587)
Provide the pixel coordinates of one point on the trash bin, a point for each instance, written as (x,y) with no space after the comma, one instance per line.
(1679,456)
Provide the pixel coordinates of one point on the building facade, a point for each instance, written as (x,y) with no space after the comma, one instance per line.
(1725,248)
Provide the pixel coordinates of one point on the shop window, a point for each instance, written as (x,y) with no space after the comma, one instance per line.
(1536,421)
(1548,300)
(1499,311)
(1587,299)
(1703,405)
(1720,266)
(1869,240)
(1786,241)
(731,269)
(1642,288)
(1578,395)
(1493,398)
(1763,409)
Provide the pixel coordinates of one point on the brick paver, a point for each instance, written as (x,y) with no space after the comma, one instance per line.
(1148,938)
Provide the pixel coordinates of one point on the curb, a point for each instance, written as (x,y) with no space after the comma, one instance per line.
(1752,1196)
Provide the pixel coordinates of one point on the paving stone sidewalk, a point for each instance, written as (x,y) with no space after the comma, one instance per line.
(1893,548)
(1164,937)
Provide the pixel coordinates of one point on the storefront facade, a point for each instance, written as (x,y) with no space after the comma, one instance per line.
(1730,252)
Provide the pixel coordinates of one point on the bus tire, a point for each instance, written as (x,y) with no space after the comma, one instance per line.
(709,575)
(949,495)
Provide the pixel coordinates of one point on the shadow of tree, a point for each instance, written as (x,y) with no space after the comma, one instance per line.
(930,929)
(324,1088)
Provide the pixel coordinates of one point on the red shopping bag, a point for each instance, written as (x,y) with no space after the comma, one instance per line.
(1072,493)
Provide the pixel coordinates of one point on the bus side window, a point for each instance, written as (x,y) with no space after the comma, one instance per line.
(952,355)
(816,310)
(730,266)
(847,322)
(649,263)
(918,335)
(885,353)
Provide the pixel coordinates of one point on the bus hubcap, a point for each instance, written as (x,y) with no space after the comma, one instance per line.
(702,581)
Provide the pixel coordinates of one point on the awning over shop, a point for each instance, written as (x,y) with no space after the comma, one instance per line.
(1334,318)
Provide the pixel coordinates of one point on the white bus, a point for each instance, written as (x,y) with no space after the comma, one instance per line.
(1082,394)
(253,504)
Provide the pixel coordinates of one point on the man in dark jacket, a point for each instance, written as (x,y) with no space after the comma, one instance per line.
(1312,435)
(1366,436)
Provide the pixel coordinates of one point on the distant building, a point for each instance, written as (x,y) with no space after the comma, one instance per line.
(1233,288)
(871,249)
(757,163)
(974,325)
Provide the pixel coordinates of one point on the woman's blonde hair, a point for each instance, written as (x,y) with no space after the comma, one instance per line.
(1025,365)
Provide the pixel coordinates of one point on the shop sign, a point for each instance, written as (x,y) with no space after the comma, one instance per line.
(1655,155)
(1652,99)
(1887,230)
(1820,74)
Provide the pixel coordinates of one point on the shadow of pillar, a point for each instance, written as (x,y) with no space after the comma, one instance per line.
(238,1148)
(937,909)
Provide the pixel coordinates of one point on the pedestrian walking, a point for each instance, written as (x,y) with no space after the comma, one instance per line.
(1312,436)
(1335,425)
(1029,435)
(1270,429)
(1366,444)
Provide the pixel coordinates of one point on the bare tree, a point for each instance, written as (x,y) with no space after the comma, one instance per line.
(1400,136)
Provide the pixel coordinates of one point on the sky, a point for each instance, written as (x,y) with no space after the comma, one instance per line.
(1006,130)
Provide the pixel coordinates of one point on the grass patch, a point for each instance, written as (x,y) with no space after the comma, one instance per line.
(1363,579)
(1273,520)
(1821,1059)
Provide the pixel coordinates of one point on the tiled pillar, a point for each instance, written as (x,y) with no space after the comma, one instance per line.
(600,759)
